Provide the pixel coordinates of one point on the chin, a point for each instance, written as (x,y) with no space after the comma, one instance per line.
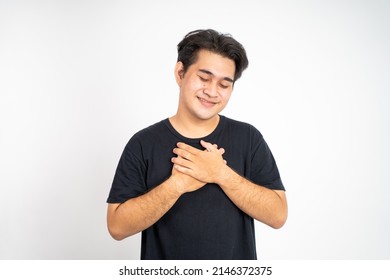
(206,117)
(206,114)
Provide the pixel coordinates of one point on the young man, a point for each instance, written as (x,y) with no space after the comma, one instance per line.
(194,183)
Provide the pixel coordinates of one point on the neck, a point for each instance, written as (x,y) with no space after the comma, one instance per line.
(193,127)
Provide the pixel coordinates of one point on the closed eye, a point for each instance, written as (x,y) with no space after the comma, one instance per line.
(225,85)
(203,79)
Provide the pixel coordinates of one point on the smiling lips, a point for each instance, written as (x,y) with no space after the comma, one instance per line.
(206,102)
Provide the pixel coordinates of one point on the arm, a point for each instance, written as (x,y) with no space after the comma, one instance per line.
(139,213)
(265,205)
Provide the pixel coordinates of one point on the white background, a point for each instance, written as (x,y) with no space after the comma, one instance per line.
(79,78)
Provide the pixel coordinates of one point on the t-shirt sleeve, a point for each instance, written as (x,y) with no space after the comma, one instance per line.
(264,170)
(129,178)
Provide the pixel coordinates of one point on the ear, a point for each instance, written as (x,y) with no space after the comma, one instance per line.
(179,72)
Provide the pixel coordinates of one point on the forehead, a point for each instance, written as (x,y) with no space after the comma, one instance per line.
(215,63)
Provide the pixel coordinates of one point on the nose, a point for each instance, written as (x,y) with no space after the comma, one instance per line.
(210,90)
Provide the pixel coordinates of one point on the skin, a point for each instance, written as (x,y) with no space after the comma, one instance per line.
(205,89)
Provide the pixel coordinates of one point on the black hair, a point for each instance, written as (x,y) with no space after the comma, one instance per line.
(211,40)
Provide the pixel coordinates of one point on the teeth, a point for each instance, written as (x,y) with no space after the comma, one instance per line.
(205,100)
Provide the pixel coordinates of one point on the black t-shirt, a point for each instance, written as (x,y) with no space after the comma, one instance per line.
(204,224)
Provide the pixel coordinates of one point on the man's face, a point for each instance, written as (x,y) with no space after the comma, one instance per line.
(207,85)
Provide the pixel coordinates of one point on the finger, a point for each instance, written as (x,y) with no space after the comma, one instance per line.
(180,168)
(181,161)
(208,146)
(188,148)
(183,169)
(182,153)
(221,151)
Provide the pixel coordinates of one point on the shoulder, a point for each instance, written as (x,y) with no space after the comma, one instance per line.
(147,136)
(241,128)
(150,131)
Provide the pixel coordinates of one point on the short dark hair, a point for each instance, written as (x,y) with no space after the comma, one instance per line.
(211,40)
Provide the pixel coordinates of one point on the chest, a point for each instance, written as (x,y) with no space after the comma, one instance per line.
(158,159)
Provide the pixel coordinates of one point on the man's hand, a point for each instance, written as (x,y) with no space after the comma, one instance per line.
(185,183)
(206,166)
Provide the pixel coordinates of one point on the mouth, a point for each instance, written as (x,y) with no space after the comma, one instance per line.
(206,103)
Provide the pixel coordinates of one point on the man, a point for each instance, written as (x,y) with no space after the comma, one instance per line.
(194,183)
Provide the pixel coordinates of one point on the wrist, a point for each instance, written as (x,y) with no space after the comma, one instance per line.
(174,186)
(225,174)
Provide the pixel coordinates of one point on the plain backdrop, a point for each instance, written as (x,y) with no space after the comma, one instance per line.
(79,78)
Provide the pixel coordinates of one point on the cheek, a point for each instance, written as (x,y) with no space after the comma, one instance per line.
(192,86)
(196,85)
(225,96)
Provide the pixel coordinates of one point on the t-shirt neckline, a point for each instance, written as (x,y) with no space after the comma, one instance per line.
(196,140)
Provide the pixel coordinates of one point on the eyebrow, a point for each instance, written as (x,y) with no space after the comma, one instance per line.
(212,74)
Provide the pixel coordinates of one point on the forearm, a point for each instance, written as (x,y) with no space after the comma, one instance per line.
(263,204)
(141,212)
